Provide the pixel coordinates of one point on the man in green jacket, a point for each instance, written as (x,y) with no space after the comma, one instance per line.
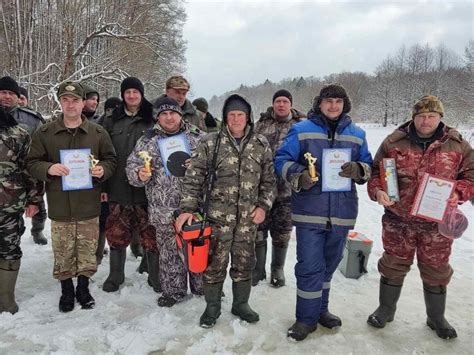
(72,190)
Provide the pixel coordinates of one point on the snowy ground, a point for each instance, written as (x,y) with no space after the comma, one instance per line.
(130,321)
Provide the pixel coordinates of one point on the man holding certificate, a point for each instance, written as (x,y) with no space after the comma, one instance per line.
(435,168)
(322,158)
(73,156)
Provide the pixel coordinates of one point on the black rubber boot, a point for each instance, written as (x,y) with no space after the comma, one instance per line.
(117,266)
(299,331)
(278,263)
(153,271)
(435,301)
(259,273)
(168,301)
(143,267)
(37,227)
(212,295)
(83,295)
(66,302)
(99,253)
(8,276)
(240,305)
(136,246)
(388,298)
(329,320)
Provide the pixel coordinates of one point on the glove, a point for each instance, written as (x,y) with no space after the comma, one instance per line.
(351,170)
(305,182)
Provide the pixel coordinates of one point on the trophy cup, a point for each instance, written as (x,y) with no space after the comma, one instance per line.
(311,166)
(147,160)
(93,161)
(389,179)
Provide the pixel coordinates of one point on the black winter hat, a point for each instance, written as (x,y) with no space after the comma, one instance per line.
(8,83)
(284,93)
(90,91)
(132,83)
(112,102)
(201,104)
(235,102)
(332,91)
(24,92)
(166,103)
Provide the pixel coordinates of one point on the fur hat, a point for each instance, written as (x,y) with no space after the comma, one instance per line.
(332,91)
(284,93)
(10,84)
(132,83)
(428,103)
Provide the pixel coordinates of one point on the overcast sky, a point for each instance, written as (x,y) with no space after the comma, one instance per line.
(230,42)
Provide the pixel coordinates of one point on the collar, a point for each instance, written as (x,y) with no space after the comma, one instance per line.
(58,125)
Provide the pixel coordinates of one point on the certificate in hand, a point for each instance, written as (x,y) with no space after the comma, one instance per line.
(78,162)
(174,152)
(331,164)
(431,200)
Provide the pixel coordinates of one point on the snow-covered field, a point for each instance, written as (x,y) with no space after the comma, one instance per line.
(130,322)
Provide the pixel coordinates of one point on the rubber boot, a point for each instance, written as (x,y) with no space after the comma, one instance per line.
(99,253)
(278,263)
(143,267)
(153,271)
(240,305)
(435,301)
(117,266)
(388,298)
(8,276)
(83,295)
(299,331)
(136,246)
(212,295)
(326,318)
(37,227)
(66,302)
(259,273)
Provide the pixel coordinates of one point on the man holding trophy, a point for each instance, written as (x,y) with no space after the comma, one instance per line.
(322,158)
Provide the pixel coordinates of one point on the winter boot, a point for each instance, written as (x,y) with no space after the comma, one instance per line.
(299,331)
(135,245)
(8,276)
(435,301)
(117,266)
(240,305)
(259,273)
(153,271)
(388,298)
(326,318)
(143,267)
(278,262)
(212,294)
(99,253)
(168,301)
(82,293)
(66,302)
(37,227)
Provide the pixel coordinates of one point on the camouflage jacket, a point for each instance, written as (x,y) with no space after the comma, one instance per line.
(449,156)
(276,132)
(17,187)
(245,178)
(162,191)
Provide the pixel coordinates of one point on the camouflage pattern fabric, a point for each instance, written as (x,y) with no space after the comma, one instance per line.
(11,229)
(278,223)
(123,221)
(74,247)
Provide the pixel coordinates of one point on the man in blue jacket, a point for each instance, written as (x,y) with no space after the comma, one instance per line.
(321,213)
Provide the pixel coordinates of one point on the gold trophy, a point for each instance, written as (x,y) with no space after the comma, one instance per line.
(311,166)
(147,159)
(93,161)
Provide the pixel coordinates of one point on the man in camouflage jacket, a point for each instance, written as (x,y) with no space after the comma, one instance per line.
(242,195)
(423,145)
(274,124)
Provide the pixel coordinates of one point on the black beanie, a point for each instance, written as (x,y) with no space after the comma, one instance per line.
(236,103)
(332,91)
(132,83)
(112,102)
(284,93)
(8,83)
(24,92)
(166,103)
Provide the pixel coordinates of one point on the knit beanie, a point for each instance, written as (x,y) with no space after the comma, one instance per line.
(201,104)
(132,83)
(428,103)
(112,102)
(284,93)
(236,103)
(166,103)
(10,84)
(332,91)
(24,92)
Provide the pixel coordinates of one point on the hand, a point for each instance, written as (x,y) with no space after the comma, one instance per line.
(305,182)
(182,218)
(383,199)
(258,215)
(144,175)
(58,170)
(31,210)
(97,171)
(104,197)
(453,200)
(352,170)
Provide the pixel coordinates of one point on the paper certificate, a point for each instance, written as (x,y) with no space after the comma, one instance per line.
(331,166)
(77,160)
(431,200)
(174,152)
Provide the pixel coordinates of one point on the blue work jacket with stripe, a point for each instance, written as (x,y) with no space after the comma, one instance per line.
(314,208)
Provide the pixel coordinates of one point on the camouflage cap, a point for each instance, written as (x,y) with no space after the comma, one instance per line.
(71,88)
(428,103)
(177,82)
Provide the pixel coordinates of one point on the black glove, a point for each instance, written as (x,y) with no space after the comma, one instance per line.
(305,182)
(352,170)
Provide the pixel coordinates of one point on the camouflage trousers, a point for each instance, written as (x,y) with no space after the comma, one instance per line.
(173,274)
(239,245)
(123,221)
(12,228)
(278,223)
(74,247)
(402,239)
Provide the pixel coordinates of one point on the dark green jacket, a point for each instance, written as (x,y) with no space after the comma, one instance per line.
(48,140)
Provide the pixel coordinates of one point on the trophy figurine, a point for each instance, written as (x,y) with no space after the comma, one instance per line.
(311,166)
(147,159)
(93,161)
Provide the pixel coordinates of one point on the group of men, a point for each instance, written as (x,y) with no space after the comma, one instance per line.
(143,189)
